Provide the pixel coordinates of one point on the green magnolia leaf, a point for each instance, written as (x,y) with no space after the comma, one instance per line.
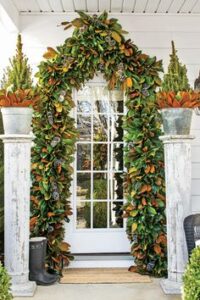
(77,22)
(152,210)
(133,213)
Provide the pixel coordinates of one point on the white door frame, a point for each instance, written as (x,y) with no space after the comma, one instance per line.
(92,236)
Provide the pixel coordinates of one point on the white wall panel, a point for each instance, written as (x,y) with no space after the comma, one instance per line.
(195,204)
(196,154)
(195,170)
(196,187)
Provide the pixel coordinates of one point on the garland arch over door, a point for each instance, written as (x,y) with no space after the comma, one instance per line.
(98,44)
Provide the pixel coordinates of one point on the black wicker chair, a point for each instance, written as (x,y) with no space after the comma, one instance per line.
(192,231)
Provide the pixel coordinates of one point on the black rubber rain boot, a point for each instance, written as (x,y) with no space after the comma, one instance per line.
(51,276)
(37,270)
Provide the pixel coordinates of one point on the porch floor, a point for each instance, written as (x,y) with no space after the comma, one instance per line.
(136,291)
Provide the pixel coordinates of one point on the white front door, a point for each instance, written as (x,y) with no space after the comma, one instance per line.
(97,225)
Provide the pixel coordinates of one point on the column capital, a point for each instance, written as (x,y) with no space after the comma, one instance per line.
(17,138)
(176,139)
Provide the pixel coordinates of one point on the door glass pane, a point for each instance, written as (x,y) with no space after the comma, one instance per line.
(100,128)
(117,155)
(101,106)
(83,186)
(99,158)
(84,127)
(100,153)
(116,211)
(100,186)
(83,157)
(100,215)
(84,106)
(116,186)
(83,211)
(116,128)
(117,102)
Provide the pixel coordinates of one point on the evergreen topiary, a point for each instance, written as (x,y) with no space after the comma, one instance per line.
(191,278)
(175,91)
(176,79)
(5,293)
(18,74)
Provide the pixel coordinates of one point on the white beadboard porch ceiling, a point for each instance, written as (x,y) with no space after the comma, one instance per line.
(112,6)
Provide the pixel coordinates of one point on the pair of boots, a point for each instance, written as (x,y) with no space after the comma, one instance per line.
(37,271)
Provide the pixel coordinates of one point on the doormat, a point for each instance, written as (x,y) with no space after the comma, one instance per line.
(102,275)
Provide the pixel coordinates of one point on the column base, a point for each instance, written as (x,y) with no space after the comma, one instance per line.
(170,287)
(24,289)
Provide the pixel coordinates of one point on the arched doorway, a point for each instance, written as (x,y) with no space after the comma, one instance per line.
(98,45)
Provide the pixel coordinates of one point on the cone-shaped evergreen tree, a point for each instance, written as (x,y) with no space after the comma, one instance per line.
(18,74)
(176,78)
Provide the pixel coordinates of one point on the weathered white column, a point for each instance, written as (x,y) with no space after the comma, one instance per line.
(178,198)
(17,211)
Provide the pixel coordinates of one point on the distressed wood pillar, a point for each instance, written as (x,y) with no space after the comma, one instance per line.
(178,198)
(17,211)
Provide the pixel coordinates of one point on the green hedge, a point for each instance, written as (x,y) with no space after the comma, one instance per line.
(191,279)
(5,293)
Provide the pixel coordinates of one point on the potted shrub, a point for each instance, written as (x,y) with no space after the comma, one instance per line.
(176,100)
(191,278)
(17,95)
(5,293)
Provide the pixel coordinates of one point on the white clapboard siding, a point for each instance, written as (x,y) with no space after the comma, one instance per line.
(152,34)
(195,204)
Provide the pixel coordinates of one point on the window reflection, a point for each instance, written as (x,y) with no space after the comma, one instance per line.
(84,106)
(116,211)
(84,127)
(100,153)
(100,215)
(100,128)
(83,186)
(117,155)
(83,211)
(100,186)
(116,186)
(83,157)
(117,132)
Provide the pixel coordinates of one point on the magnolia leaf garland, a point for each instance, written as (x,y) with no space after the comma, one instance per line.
(98,45)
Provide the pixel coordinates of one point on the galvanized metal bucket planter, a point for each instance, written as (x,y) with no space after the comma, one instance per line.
(176,121)
(17,120)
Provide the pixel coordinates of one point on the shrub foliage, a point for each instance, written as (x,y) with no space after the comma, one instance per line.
(191,278)
(5,293)
(98,45)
